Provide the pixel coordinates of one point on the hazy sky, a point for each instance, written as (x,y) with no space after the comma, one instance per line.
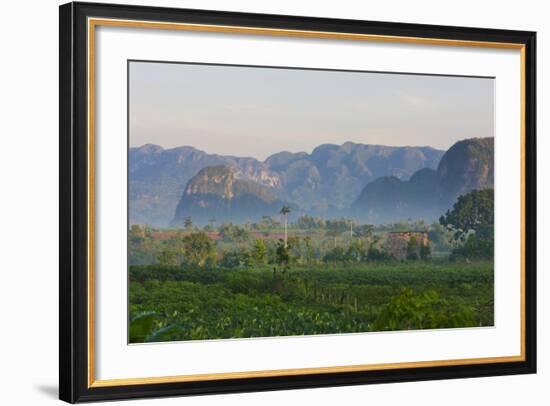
(256,112)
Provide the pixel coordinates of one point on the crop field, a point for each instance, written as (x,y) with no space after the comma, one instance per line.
(170,303)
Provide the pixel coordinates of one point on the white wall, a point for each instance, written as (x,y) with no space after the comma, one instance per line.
(29,187)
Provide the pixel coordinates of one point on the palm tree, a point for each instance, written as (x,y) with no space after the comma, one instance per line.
(284,211)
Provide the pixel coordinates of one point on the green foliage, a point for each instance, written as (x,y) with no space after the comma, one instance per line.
(186,303)
(259,251)
(425,251)
(376,254)
(144,327)
(306,222)
(228,284)
(403,225)
(236,259)
(472,220)
(307,246)
(198,249)
(441,237)
(407,311)
(473,211)
(285,210)
(356,252)
(337,226)
(233,233)
(266,224)
(168,256)
(363,230)
(337,254)
(140,245)
(412,249)
(308,250)
(141,326)
(474,249)
(283,255)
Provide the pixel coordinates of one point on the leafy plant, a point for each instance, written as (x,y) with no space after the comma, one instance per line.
(283,255)
(425,251)
(407,311)
(412,248)
(259,251)
(474,212)
(141,326)
(198,248)
(474,249)
(237,258)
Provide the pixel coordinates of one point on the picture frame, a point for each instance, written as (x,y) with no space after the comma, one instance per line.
(78,381)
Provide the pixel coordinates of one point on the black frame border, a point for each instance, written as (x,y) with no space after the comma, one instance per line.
(73,202)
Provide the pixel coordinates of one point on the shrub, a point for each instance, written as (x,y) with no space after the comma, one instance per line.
(283,255)
(236,259)
(337,254)
(198,249)
(473,249)
(412,249)
(425,251)
(408,311)
(377,254)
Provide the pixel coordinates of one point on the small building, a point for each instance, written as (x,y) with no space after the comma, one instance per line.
(397,243)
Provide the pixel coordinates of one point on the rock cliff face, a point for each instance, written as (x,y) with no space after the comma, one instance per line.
(467,165)
(158,177)
(323,182)
(216,192)
(218,180)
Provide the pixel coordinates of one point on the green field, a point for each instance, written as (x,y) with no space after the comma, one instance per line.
(169,303)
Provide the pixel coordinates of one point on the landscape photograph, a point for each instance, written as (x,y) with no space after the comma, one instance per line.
(272,202)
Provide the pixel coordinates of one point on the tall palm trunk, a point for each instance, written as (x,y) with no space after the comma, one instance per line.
(284,211)
(286,234)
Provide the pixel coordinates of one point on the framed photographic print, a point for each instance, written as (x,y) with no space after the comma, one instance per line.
(257,202)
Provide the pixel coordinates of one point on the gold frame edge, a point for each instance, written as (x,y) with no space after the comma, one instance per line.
(91,25)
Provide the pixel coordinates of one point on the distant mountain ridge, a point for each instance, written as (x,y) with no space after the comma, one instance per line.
(323,182)
(467,165)
(158,177)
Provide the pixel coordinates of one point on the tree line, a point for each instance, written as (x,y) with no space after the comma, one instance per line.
(466,230)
